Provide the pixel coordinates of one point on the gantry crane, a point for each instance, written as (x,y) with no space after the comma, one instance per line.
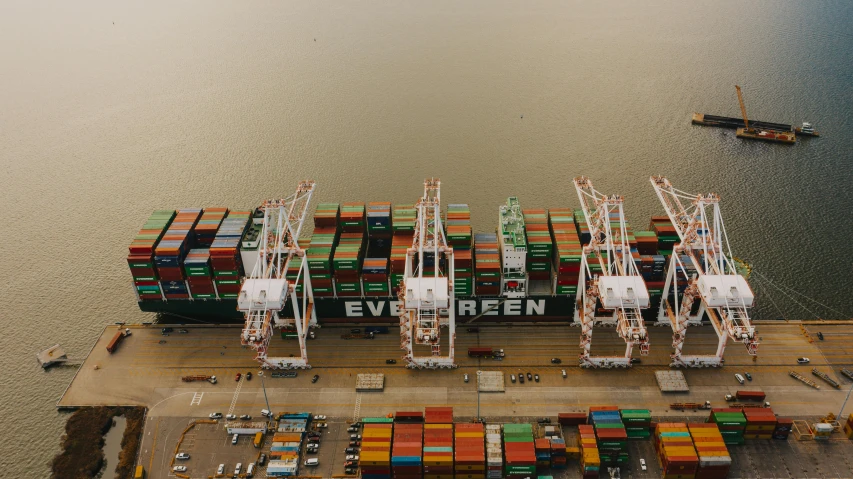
(722,292)
(619,287)
(264,292)
(426,292)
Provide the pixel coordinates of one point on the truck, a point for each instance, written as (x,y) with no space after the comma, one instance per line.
(117,339)
(746,396)
(140,473)
(189,379)
(681,406)
(357,336)
(259,440)
(485,353)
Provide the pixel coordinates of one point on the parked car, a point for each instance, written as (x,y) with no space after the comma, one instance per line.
(355,436)
(350,450)
(266,413)
(315,378)
(521,378)
(556,360)
(313,435)
(512,377)
(748,376)
(351,457)
(182,456)
(289,374)
(321,425)
(354,443)
(643,464)
(820,335)
(563,371)
(183,331)
(167,330)
(246,417)
(390,361)
(220,469)
(231,417)
(312,450)
(249,376)
(355,424)
(262,460)
(234,439)
(636,361)
(312,462)
(739,378)
(352,429)
(179,469)
(351,471)
(238,469)
(544,420)
(350,463)
(803,360)
(312,445)
(465,378)
(238,376)
(319,418)
(529,377)
(215,415)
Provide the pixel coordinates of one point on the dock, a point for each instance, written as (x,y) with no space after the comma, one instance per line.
(736,123)
(52,356)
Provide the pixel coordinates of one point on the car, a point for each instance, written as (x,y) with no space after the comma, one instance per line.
(739,378)
(512,377)
(355,436)
(352,429)
(289,374)
(245,417)
(167,330)
(277,374)
(351,471)
(643,464)
(521,378)
(263,459)
(234,439)
(354,443)
(220,469)
(350,463)
(529,377)
(465,377)
(473,330)
(249,376)
(237,377)
(313,435)
(182,456)
(312,445)
(536,377)
(820,335)
(351,457)
(312,450)
(636,361)
(215,415)
(563,371)
(315,378)
(556,360)
(390,361)
(803,360)
(321,425)
(238,469)
(544,420)
(350,450)
(312,462)
(355,331)
(319,417)
(355,424)
(266,413)
(748,376)
(183,331)
(231,417)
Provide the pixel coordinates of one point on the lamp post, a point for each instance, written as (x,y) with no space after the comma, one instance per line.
(264,387)
(478,395)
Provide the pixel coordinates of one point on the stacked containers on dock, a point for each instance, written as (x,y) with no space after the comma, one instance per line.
(542,447)
(375,460)
(349,250)
(760,423)
(199,273)
(675,451)
(731,422)
(438,446)
(558,453)
(403,229)
(540,245)
(494,452)
(470,451)
(375,269)
(847,428)
(568,251)
(571,418)
(611,434)
(407,451)
(140,256)
(225,262)
(590,461)
(822,431)
(487,265)
(171,251)
(459,237)
(320,253)
(784,426)
(714,458)
(519,452)
(637,423)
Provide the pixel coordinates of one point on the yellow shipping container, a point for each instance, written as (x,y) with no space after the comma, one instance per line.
(377,433)
(438,426)
(679,451)
(140,473)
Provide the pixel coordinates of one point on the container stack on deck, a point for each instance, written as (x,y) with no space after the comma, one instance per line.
(542,447)
(141,255)
(171,251)
(540,245)
(407,451)
(675,451)
(666,235)
(375,460)
(714,458)
(469,451)
(199,274)
(487,265)
(375,269)
(321,251)
(225,261)
(403,230)
(519,451)
(611,435)
(438,443)
(590,459)
(346,264)
(208,225)
(567,250)
(731,422)
(458,230)
(494,452)
(637,423)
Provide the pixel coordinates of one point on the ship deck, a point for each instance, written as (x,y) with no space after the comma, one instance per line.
(735,123)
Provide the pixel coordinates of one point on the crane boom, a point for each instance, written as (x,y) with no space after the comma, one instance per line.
(742,107)
(619,287)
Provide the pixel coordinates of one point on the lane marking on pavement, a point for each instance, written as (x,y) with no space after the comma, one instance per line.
(357,411)
(196,399)
(154,445)
(236,395)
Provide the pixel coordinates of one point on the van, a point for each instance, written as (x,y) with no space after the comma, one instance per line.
(234,440)
(250,471)
(739,378)
(221,469)
(312,462)
(266,413)
(238,469)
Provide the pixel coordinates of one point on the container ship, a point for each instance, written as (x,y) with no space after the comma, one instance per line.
(191,262)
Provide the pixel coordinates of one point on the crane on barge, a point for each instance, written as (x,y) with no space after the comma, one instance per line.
(722,293)
(619,287)
(265,291)
(426,293)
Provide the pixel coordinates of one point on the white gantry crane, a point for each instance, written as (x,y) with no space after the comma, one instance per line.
(619,287)
(265,290)
(427,298)
(722,292)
